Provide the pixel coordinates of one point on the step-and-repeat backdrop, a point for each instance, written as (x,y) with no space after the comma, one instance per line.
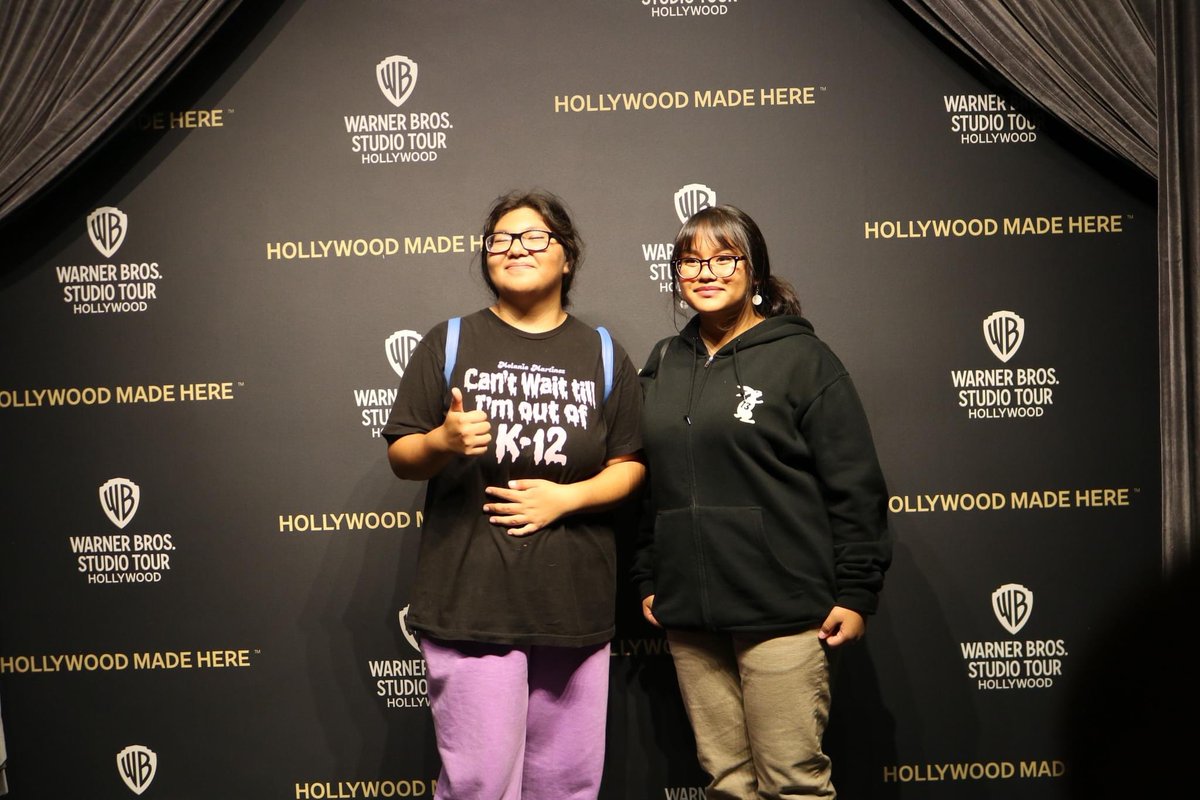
(205,561)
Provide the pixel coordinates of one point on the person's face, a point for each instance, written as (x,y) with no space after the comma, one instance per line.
(707,293)
(520,271)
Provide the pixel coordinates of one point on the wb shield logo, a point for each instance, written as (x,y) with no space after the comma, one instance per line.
(692,198)
(119,498)
(1012,604)
(400,346)
(137,765)
(106,228)
(408,637)
(1003,332)
(397,77)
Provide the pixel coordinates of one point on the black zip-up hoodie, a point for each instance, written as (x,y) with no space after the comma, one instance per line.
(767,505)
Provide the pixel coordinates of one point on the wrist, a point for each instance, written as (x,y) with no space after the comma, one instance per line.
(438,441)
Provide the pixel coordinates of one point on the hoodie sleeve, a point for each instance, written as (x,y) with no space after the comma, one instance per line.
(641,570)
(852,484)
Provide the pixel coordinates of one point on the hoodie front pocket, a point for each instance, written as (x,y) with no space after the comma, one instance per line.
(744,584)
(677,577)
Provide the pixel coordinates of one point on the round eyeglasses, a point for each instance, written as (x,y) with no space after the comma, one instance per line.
(533,240)
(719,266)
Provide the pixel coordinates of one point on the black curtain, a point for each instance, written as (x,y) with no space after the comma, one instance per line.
(1122,74)
(72,70)
(1088,63)
(1178,261)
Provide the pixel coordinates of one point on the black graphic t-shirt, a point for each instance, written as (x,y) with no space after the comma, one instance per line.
(543,393)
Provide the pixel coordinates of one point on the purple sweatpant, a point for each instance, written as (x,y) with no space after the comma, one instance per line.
(518,723)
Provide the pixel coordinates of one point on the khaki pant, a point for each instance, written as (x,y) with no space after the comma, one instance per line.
(758,708)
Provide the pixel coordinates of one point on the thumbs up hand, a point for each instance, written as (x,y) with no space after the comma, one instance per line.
(467,433)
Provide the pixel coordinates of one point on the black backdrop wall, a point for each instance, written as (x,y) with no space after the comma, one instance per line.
(205,563)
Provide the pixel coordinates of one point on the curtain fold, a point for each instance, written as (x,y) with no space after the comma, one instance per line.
(71,70)
(1088,63)
(1124,75)
(1178,261)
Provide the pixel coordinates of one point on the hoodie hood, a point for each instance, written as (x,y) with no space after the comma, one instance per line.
(769,330)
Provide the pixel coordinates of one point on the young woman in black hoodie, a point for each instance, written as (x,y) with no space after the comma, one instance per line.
(767,543)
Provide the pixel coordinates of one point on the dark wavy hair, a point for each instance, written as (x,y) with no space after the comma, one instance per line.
(554,211)
(733,228)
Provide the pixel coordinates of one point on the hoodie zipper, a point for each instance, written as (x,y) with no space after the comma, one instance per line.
(688,416)
(695,509)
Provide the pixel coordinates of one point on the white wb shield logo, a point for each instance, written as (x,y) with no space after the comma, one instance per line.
(400,346)
(408,636)
(397,77)
(692,198)
(1012,604)
(106,228)
(1003,332)
(119,498)
(137,765)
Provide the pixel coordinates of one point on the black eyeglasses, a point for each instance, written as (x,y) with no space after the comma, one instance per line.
(719,266)
(533,240)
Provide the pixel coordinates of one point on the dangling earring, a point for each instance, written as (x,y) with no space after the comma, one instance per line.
(683,304)
(757,299)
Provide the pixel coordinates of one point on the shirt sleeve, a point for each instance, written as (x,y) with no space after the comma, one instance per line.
(423,397)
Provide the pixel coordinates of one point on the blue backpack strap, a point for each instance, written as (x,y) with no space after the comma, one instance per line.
(451,347)
(606,354)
